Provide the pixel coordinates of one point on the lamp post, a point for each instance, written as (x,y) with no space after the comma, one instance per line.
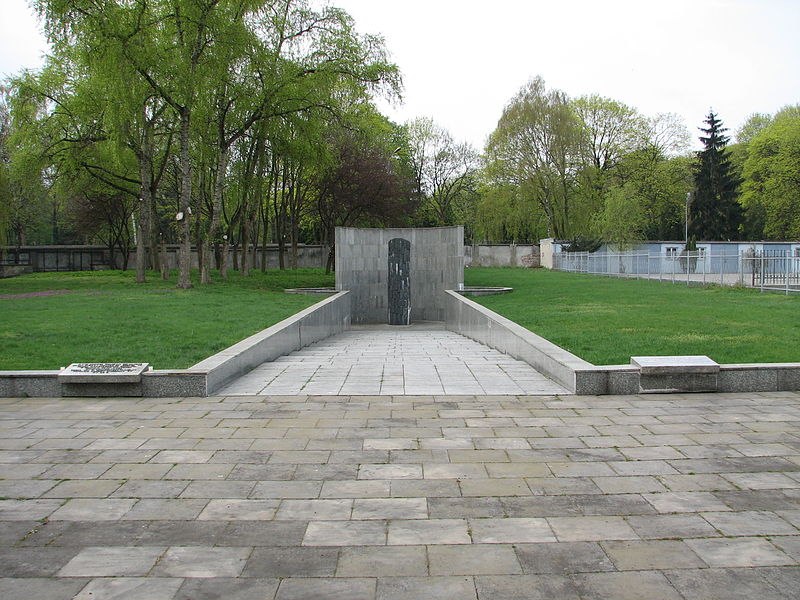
(686,220)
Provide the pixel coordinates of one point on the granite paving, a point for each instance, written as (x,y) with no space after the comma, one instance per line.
(422,358)
(388,497)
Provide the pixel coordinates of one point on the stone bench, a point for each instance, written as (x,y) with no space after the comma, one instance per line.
(676,373)
(102,379)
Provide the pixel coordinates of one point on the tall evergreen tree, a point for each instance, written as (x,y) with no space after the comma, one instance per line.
(715,213)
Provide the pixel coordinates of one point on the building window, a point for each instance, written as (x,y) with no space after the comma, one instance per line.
(672,252)
(701,253)
(797,252)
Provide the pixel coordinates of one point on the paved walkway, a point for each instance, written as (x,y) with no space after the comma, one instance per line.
(382,360)
(667,497)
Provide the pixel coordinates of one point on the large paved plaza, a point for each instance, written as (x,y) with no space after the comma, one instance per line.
(401,497)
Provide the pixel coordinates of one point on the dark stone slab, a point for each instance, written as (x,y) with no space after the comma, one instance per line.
(262,533)
(34,562)
(399,282)
(563,557)
(291,562)
(726,584)
(227,588)
(461,508)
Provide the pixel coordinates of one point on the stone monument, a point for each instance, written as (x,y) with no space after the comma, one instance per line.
(398,276)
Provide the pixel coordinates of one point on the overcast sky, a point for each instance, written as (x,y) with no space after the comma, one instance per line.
(462,60)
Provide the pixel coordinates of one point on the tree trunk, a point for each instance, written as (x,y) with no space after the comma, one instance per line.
(219,182)
(185,233)
(164,260)
(264,237)
(223,258)
(245,270)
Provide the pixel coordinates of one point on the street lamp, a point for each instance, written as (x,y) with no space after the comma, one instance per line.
(686,220)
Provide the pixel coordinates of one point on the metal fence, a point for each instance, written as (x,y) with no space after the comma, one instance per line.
(770,270)
(57,258)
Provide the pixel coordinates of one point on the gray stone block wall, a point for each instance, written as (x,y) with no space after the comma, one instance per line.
(362,258)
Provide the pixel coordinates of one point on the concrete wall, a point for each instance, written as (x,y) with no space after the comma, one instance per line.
(311,256)
(317,322)
(501,255)
(476,322)
(546,249)
(88,258)
(437,264)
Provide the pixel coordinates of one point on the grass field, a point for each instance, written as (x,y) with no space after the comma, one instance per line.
(104,316)
(606,320)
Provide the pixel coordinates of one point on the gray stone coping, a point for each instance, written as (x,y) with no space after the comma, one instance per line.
(323,319)
(482,290)
(317,291)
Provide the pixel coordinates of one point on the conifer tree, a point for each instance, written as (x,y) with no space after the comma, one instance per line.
(715,213)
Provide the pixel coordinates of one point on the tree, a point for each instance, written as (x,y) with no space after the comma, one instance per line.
(715,213)
(537,145)
(444,170)
(177,102)
(754,124)
(362,187)
(622,220)
(771,189)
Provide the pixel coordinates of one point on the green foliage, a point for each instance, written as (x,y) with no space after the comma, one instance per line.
(590,166)
(771,191)
(581,243)
(606,320)
(538,144)
(715,213)
(622,219)
(215,110)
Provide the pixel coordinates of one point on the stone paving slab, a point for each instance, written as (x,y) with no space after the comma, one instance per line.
(690,497)
(423,358)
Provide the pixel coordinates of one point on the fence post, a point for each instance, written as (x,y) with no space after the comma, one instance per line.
(762,273)
(786,261)
(688,266)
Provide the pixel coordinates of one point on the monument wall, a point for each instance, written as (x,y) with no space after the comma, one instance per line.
(362,266)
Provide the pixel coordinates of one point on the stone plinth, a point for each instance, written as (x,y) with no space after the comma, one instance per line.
(103,373)
(676,373)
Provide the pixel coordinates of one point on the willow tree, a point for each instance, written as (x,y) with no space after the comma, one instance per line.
(218,65)
(537,142)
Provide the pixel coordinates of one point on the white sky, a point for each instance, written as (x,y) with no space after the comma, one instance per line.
(462,60)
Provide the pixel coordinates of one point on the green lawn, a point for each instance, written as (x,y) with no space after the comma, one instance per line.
(104,316)
(606,320)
